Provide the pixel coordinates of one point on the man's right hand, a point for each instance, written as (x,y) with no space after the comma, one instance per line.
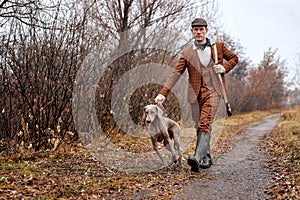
(159,99)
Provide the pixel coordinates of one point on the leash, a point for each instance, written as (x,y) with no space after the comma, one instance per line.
(228,108)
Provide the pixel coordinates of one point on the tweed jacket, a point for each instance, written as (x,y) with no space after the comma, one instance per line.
(190,60)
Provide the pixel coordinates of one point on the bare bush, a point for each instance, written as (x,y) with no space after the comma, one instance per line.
(43,44)
(38,68)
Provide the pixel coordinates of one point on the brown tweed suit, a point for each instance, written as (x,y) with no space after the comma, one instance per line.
(206,96)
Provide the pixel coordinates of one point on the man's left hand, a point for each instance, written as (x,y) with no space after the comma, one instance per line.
(219,69)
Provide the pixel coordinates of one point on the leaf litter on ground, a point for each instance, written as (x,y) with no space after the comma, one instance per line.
(71,172)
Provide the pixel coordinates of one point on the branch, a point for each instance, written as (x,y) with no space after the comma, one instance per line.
(2,4)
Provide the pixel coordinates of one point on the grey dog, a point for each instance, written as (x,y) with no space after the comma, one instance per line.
(163,129)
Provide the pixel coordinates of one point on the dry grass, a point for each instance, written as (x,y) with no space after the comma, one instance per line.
(72,173)
(283,146)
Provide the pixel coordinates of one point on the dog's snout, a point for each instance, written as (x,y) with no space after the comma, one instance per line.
(148,121)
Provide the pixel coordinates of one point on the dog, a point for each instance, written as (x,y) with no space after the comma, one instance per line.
(163,129)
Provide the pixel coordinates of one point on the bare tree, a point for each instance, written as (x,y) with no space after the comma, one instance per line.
(294,92)
(266,87)
(31,13)
(296,78)
(136,23)
(43,44)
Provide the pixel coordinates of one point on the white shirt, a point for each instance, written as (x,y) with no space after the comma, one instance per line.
(204,55)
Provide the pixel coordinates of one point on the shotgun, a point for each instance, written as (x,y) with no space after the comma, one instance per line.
(228,108)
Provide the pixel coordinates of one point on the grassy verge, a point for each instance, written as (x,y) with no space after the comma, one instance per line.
(283,146)
(72,173)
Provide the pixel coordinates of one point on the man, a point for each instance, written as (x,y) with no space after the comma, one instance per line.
(205,88)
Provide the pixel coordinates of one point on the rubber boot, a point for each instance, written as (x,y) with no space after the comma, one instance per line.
(207,162)
(202,148)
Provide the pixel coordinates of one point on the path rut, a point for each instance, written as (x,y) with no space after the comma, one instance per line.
(239,173)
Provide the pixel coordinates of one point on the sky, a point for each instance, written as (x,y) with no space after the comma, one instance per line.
(260,24)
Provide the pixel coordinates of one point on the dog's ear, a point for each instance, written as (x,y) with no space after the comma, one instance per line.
(163,110)
(159,111)
(144,111)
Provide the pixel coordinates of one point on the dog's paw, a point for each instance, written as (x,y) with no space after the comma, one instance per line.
(179,163)
(166,168)
(174,160)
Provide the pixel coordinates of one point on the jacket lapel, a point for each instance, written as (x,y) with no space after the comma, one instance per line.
(212,51)
(193,58)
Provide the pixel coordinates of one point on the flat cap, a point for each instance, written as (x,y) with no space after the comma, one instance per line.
(199,22)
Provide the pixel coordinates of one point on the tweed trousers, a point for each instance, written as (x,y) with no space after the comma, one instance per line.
(204,109)
(206,106)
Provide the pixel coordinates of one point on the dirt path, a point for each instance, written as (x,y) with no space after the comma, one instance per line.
(238,174)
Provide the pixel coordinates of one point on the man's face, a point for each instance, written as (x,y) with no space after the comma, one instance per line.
(199,33)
